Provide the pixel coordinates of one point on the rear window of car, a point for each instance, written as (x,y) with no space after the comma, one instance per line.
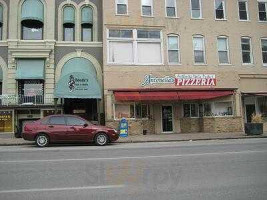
(57,121)
(75,121)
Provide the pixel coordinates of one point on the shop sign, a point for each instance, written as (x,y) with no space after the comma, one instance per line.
(151,80)
(6,121)
(195,79)
(124,128)
(182,80)
(78,84)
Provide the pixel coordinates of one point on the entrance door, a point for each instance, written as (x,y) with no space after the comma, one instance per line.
(167,121)
(250,109)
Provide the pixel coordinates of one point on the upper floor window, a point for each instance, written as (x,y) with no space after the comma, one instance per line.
(246,50)
(171,8)
(262,5)
(121,7)
(243,9)
(223,50)
(199,49)
(220,9)
(135,46)
(32,20)
(68,23)
(173,49)
(87,24)
(264,50)
(1,22)
(196,10)
(147,7)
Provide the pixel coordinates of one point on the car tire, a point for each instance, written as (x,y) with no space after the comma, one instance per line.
(101,139)
(42,140)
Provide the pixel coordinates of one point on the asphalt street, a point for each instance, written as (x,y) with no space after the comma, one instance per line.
(223,169)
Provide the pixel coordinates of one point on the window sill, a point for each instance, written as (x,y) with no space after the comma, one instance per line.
(200,64)
(147,16)
(240,20)
(263,21)
(134,64)
(226,64)
(174,64)
(248,65)
(168,17)
(220,19)
(126,15)
(197,18)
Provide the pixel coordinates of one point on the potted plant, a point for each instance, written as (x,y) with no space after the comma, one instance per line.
(256,125)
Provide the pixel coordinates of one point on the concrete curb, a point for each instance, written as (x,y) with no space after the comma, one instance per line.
(155,140)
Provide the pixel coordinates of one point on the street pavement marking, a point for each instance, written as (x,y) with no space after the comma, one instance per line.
(131,157)
(62,189)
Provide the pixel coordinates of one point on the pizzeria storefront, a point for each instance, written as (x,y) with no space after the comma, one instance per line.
(187,103)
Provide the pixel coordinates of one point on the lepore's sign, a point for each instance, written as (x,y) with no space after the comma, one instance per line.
(181,80)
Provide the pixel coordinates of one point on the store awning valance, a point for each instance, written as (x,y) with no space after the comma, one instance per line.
(30,69)
(32,10)
(1,14)
(87,15)
(78,80)
(170,95)
(69,15)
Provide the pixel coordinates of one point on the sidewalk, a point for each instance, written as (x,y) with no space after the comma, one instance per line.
(9,139)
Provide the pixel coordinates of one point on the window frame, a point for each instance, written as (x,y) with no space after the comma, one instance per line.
(247,10)
(116,7)
(224,11)
(264,38)
(200,10)
(190,105)
(134,40)
(152,9)
(178,50)
(265,2)
(228,50)
(204,49)
(251,52)
(132,104)
(175,8)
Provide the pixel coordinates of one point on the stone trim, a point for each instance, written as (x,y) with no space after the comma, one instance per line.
(4,35)
(3,65)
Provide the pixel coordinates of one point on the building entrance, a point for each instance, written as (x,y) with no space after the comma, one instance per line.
(85,108)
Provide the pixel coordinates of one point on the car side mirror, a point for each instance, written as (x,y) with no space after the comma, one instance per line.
(85,125)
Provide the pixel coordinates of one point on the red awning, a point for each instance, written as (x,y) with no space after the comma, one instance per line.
(170,96)
(202,95)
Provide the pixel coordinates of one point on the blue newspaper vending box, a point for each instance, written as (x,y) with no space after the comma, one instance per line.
(124,128)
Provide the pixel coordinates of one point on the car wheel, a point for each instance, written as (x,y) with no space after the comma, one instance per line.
(42,140)
(101,139)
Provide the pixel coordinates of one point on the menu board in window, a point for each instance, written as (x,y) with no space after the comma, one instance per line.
(6,121)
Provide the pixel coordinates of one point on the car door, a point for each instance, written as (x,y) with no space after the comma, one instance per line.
(57,128)
(78,129)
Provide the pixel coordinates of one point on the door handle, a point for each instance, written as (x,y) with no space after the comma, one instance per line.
(51,126)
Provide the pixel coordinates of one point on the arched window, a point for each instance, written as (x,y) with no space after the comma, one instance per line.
(87,24)
(1,22)
(32,20)
(69,24)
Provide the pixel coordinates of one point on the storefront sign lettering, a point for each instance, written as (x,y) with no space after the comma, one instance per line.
(78,83)
(6,121)
(182,80)
(150,80)
(195,80)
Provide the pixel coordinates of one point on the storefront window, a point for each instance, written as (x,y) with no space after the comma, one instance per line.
(262,101)
(223,108)
(6,121)
(191,110)
(137,111)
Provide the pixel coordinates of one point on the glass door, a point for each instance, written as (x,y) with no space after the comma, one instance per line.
(167,119)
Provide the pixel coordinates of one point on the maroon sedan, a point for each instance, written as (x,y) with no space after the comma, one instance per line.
(67,128)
